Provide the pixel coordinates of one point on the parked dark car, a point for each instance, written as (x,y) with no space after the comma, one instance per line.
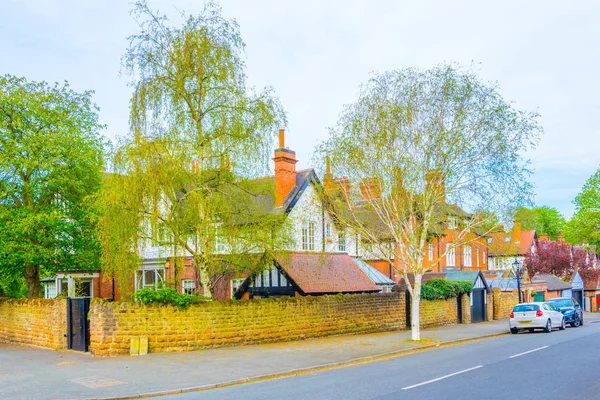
(570,309)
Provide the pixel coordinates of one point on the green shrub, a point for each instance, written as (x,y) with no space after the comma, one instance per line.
(439,289)
(167,296)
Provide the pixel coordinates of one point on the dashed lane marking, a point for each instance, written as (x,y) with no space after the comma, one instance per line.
(442,377)
(530,351)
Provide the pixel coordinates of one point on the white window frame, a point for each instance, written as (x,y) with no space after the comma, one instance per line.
(50,290)
(328,230)
(450,256)
(308,235)
(430,250)
(186,285)
(342,241)
(219,243)
(140,281)
(468,256)
(452,223)
(477,257)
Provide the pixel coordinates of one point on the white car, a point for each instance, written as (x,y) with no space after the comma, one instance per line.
(532,316)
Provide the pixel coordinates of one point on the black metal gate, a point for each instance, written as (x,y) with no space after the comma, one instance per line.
(459,310)
(478,307)
(78,326)
(407,302)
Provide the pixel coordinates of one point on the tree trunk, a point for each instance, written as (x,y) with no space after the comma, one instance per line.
(32,276)
(205,282)
(415,309)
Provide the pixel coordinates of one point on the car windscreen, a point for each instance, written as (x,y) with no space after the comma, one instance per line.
(526,307)
(561,303)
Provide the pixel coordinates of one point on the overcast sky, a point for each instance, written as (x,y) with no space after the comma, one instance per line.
(315,54)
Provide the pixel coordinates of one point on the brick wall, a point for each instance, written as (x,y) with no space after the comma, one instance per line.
(228,323)
(438,312)
(504,303)
(34,322)
(466,308)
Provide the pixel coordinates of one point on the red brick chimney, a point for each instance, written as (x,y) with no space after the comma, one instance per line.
(285,170)
(344,184)
(369,189)
(328,177)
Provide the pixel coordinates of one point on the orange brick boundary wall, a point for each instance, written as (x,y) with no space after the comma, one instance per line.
(34,322)
(504,302)
(231,323)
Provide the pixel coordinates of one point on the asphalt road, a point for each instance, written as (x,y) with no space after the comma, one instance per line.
(558,365)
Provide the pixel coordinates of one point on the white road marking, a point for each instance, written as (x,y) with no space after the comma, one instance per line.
(442,377)
(527,352)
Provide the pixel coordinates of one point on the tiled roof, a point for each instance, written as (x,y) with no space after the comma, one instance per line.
(500,247)
(401,286)
(318,273)
(377,277)
(552,282)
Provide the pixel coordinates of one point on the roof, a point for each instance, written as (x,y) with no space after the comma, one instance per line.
(400,286)
(374,275)
(500,247)
(553,283)
(504,284)
(320,273)
(471,276)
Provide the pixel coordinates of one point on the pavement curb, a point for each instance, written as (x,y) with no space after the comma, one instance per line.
(301,371)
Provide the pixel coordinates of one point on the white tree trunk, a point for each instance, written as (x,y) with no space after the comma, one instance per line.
(415,309)
(205,282)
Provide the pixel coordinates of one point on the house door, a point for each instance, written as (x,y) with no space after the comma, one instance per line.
(478,306)
(78,327)
(578,296)
(539,296)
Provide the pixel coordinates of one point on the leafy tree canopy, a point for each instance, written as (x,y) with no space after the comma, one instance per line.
(544,219)
(182,178)
(584,226)
(50,165)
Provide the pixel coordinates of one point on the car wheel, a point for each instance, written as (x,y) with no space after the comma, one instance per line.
(576,323)
(562,325)
(514,331)
(548,328)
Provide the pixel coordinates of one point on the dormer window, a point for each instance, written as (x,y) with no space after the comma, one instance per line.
(506,239)
(452,222)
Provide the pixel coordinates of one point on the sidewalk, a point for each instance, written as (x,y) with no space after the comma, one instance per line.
(27,373)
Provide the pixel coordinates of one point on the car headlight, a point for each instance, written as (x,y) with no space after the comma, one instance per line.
(569,312)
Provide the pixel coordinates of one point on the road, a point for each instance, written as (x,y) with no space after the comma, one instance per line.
(558,365)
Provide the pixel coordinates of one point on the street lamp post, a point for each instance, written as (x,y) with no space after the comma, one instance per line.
(517,267)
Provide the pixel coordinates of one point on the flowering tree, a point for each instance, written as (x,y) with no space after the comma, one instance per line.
(550,258)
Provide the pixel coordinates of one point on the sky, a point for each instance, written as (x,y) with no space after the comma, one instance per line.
(315,54)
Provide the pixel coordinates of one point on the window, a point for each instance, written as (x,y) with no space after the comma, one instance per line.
(506,239)
(468,258)
(149,278)
(342,241)
(328,230)
(490,240)
(476,257)
(83,288)
(430,252)
(452,222)
(50,290)
(483,259)
(308,236)
(450,256)
(219,242)
(188,286)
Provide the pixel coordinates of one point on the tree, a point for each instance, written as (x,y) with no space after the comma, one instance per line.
(416,141)
(50,165)
(550,258)
(584,226)
(544,220)
(198,134)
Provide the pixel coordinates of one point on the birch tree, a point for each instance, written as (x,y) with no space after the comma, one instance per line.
(420,143)
(198,134)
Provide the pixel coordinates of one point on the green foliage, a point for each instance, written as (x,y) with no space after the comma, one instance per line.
(167,296)
(545,220)
(584,226)
(50,165)
(198,134)
(438,288)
